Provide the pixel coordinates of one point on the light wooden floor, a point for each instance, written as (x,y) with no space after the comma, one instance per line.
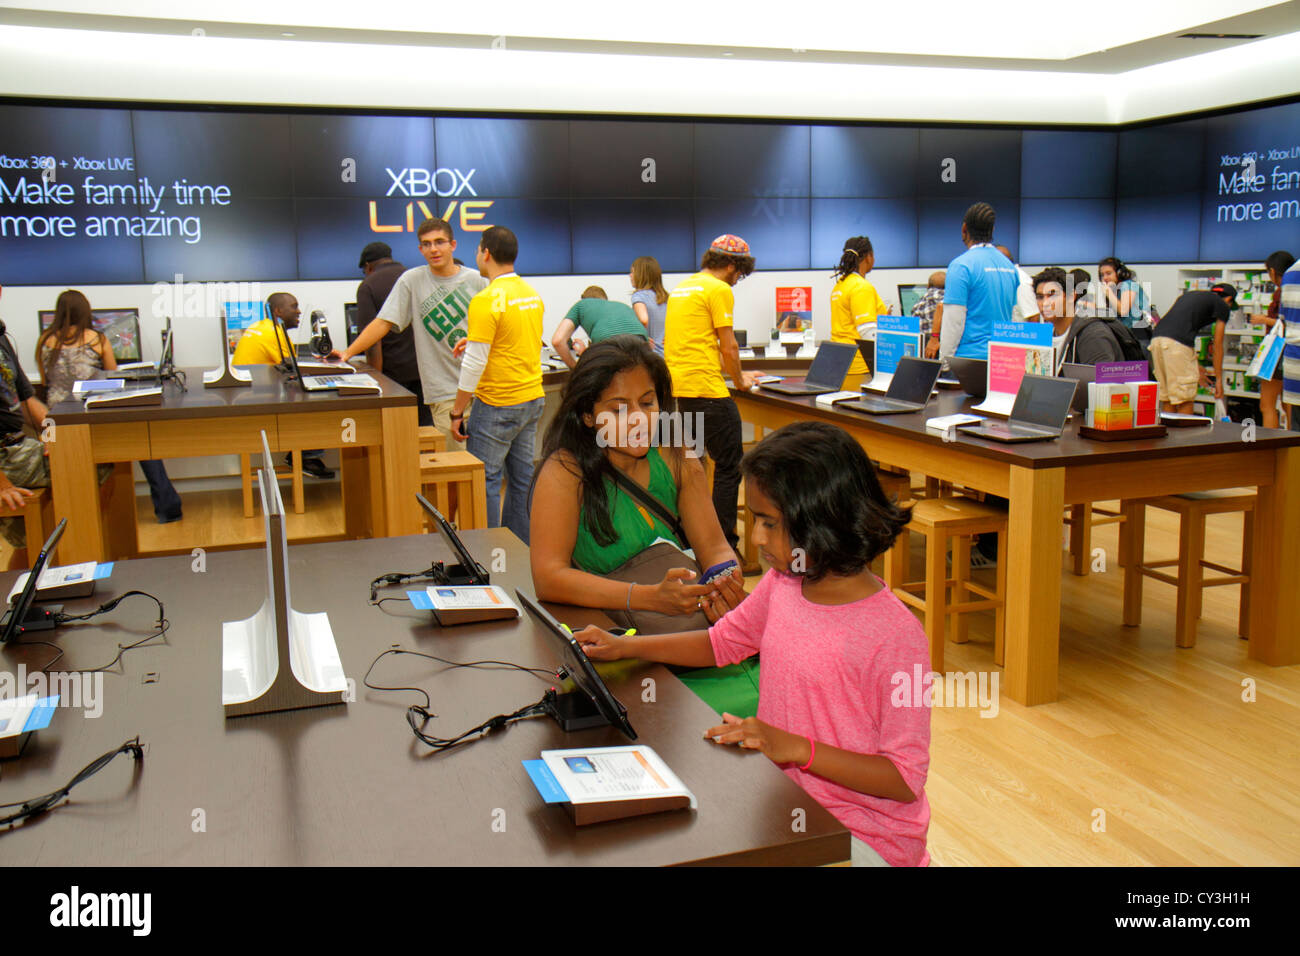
(1156,738)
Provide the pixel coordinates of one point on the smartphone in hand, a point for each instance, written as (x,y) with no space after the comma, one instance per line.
(717,571)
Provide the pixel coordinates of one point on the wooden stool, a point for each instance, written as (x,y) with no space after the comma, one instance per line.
(440,471)
(1081,520)
(35,512)
(1191,509)
(292,471)
(432,439)
(940,519)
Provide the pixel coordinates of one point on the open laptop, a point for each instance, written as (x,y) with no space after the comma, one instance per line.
(909,389)
(1039,414)
(350,382)
(1084,375)
(825,375)
(972,373)
(867,349)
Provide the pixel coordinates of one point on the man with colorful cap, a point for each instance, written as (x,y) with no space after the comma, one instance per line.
(699,346)
(1173,345)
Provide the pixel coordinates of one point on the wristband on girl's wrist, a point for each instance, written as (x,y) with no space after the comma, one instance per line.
(812,753)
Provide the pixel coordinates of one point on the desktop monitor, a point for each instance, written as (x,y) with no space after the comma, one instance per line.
(909,295)
(350,321)
(120,326)
(16,620)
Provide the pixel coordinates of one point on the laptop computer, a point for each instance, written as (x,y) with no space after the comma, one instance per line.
(909,390)
(345,383)
(1084,375)
(825,375)
(972,373)
(867,349)
(1039,414)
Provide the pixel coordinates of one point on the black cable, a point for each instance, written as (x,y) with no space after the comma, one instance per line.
(60,619)
(432,573)
(42,804)
(424,714)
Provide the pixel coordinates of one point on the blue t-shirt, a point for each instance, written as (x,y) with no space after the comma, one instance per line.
(985,282)
(657,313)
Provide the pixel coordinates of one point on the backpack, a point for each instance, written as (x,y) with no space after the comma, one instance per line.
(1129,346)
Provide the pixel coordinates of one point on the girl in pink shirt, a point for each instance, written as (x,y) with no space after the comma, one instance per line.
(833,639)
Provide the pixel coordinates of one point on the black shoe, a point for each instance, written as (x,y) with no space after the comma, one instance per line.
(316,468)
(168,519)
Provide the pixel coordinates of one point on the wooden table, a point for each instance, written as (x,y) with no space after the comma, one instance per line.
(376,434)
(348,784)
(1040,479)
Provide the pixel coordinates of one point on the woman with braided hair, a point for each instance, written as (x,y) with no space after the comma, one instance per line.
(855,302)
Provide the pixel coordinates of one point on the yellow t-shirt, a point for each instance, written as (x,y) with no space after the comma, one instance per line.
(257,346)
(508,316)
(697,308)
(853,302)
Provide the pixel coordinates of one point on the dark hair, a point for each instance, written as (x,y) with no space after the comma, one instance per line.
(1081,279)
(713,259)
(500,244)
(829,497)
(979,221)
(72,319)
(594,292)
(568,432)
(1279,261)
(1052,274)
(275,300)
(855,250)
(434,225)
(1122,272)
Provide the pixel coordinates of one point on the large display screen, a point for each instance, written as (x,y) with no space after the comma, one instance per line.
(103,196)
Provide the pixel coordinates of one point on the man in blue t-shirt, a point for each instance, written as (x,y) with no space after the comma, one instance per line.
(980,288)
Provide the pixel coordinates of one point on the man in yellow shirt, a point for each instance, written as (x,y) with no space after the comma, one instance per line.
(502,372)
(698,345)
(263,343)
(854,301)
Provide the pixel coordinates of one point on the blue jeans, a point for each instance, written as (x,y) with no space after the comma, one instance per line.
(166,502)
(502,438)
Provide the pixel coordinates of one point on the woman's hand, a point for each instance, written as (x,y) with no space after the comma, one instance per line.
(13,497)
(724,595)
(601,645)
(780,746)
(674,595)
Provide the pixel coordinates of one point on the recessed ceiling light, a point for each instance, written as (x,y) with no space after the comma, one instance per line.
(728,54)
(288,34)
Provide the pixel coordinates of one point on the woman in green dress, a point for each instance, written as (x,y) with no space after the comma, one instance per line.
(585,526)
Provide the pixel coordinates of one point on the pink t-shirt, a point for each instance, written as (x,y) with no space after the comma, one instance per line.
(826,674)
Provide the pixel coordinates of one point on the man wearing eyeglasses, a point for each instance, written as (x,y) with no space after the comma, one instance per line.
(434,301)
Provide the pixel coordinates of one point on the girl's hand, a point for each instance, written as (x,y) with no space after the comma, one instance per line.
(601,645)
(674,596)
(780,746)
(726,593)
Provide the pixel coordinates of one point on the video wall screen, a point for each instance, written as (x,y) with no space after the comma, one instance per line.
(104,196)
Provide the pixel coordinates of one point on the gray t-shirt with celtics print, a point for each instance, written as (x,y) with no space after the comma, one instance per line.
(437,307)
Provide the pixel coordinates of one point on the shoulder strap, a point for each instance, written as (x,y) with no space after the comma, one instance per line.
(657,507)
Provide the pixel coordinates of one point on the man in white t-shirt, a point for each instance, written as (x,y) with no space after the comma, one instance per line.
(1026,308)
(435,298)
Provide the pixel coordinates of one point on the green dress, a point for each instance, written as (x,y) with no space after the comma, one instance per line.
(732,689)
